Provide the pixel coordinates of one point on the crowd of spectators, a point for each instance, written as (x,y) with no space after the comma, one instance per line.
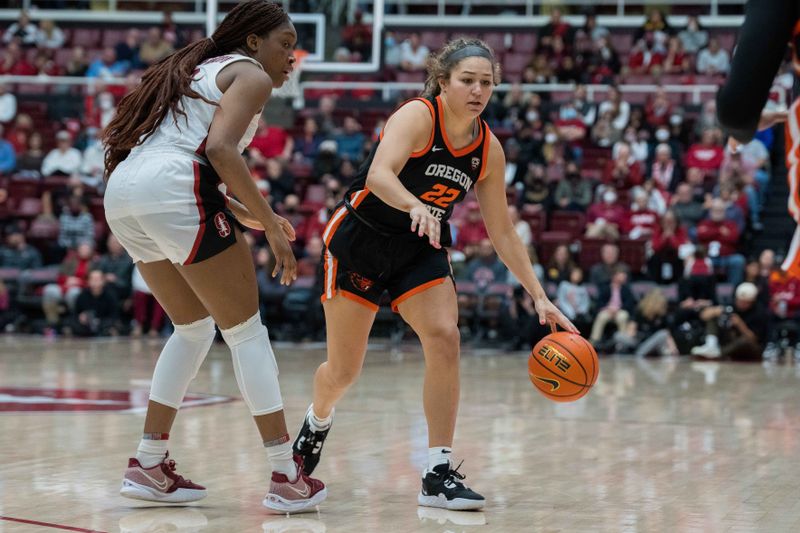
(654,178)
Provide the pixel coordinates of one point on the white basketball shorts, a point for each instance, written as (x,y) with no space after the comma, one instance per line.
(166,205)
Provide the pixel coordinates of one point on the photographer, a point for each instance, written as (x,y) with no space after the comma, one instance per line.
(736,332)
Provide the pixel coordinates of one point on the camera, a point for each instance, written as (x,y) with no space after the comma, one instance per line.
(725,318)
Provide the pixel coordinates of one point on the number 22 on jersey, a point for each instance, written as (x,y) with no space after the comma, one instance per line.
(441,195)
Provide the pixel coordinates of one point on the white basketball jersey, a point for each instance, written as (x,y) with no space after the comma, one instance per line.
(187,133)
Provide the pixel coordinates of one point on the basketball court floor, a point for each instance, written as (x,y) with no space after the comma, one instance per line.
(658,445)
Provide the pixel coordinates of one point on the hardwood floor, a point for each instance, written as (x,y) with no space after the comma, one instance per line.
(658,445)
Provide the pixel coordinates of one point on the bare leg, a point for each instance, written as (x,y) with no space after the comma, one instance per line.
(433,314)
(348,325)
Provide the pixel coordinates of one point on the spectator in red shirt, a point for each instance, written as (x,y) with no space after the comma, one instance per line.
(706,155)
(13,62)
(357,37)
(622,172)
(644,59)
(19,133)
(71,280)
(677,61)
(270,142)
(658,109)
(605,219)
(472,231)
(642,221)
(720,236)
(666,265)
(555,27)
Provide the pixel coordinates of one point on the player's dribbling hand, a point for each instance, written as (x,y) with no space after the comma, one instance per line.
(424,223)
(550,314)
(284,256)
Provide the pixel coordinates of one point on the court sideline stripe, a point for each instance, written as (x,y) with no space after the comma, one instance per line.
(47,524)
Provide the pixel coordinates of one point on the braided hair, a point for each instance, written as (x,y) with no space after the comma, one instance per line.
(162,86)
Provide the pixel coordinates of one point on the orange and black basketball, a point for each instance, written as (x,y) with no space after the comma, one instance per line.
(563,366)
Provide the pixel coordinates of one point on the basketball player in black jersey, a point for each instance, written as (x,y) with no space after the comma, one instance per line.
(390,233)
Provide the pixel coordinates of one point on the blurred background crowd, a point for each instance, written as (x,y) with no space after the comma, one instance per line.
(651,236)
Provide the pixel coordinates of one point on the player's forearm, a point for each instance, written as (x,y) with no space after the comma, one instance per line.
(233,171)
(513,254)
(244,215)
(386,186)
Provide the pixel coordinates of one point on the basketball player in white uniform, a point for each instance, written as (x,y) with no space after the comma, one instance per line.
(174,141)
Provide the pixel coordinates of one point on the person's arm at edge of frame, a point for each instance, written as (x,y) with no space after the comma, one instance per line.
(753,67)
(490,190)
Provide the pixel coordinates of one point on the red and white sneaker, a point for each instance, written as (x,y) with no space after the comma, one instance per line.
(159,483)
(301,495)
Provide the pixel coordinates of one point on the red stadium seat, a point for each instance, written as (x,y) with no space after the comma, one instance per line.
(23,188)
(496,41)
(515,63)
(590,252)
(433,39)
(524,42)
(549,241)
(633,252)
(113,36)
(86,37)
(28,208)
(573,222)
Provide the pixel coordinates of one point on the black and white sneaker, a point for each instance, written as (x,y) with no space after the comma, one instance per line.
(442,487)
(308,445)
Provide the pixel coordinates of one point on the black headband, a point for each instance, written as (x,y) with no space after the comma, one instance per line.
(471,50)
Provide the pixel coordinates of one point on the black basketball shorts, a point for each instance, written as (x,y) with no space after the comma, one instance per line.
(359,263)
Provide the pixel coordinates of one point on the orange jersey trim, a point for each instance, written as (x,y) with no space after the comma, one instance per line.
(420,153)
(467,149)
(416,290)
(358,299)
(485,155)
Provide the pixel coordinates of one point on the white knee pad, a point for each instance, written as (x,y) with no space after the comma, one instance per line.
(254,366)
(180,360)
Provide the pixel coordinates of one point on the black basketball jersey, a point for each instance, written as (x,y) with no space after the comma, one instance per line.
(439,175)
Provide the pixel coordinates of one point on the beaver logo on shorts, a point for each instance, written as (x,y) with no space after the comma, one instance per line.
(360,282)
(223,228)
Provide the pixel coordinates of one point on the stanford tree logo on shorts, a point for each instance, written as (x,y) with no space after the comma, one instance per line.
(223,228)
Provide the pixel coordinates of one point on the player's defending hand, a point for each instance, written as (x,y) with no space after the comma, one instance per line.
(278,238)
(424,223)
(549,313)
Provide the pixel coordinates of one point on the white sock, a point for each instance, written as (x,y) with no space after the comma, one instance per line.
(438,455)
(319,424)
(151,452)
(280,458)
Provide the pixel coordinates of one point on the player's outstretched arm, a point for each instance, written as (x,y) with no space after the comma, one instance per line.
(407,131)
(491,193)
(759,52)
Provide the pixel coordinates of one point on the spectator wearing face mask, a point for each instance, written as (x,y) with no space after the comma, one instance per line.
(605,218)
(573,193)
(665,170)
